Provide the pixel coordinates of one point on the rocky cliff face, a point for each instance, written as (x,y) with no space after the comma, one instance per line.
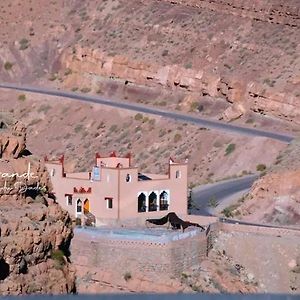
(243,52)
(224,49)
(275,197)
(34,231)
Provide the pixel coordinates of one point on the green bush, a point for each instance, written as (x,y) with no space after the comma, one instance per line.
(228,211)
(68,71)
(261,167)
(230,148)
(113,128)
(53,77)
(138,117)
(177,137)
(85,90)
(213,202)
(22,97)
(127,276)
(78,128)
(24,44)
(194,105)
(59,258)
(8,66)
(188,65)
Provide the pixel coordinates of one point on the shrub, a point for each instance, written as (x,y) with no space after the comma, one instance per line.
(138,117)
(78,128)
(177,137)
(68,71)
(165,52)
(249,121)
(145,119)
(8,66)
(127,276)
(230,148)
(194,105)
(162,103)
(44,108)
(53,77)
(22,97)
(59,258)
(24,44)
(228,211)
(85,90)
(261,167)
(188,65)
(213,202)
(113,128)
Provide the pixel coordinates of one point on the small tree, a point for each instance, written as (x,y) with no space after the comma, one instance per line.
(261,167)
(230,148)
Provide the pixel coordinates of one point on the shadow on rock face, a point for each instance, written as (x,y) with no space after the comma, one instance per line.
(4,269)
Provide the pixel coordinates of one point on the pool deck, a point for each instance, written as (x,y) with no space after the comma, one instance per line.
(158,235)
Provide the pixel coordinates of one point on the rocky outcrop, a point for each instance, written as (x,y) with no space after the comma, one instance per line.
(34,231)
(92,65)
(13,142)
(279,12)
(274,198)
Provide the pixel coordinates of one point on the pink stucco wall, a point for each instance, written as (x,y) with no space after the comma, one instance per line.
(124,193)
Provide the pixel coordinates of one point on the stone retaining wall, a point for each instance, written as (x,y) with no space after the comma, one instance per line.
(139,258)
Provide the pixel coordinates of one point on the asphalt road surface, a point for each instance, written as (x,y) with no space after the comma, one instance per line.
(203,122)
(204,196)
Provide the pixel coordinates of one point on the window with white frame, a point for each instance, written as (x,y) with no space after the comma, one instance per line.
(164,200)
(69,199)
(142,205)
(109,202)
(79,206)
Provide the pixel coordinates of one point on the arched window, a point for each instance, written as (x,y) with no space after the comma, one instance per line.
(153,201)
(164,200)
(142,202)
(79,206)
(178,174)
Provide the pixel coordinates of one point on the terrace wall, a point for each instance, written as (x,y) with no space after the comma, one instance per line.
(139,258)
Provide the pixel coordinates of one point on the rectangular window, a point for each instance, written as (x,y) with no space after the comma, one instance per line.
(69,199)
(109,202)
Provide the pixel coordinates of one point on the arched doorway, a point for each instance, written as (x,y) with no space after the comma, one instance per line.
(152,202)
(79,206)
(163,201)
(141,202)
(86,206)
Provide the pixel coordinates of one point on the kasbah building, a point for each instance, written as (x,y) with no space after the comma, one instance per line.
(114,191)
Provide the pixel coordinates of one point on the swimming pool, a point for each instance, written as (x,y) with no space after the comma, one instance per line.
(139,234)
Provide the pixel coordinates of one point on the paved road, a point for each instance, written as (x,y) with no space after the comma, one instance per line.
(220,191)
(232,221)
(208,123)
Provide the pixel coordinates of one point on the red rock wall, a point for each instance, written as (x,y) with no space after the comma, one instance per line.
(93,65)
